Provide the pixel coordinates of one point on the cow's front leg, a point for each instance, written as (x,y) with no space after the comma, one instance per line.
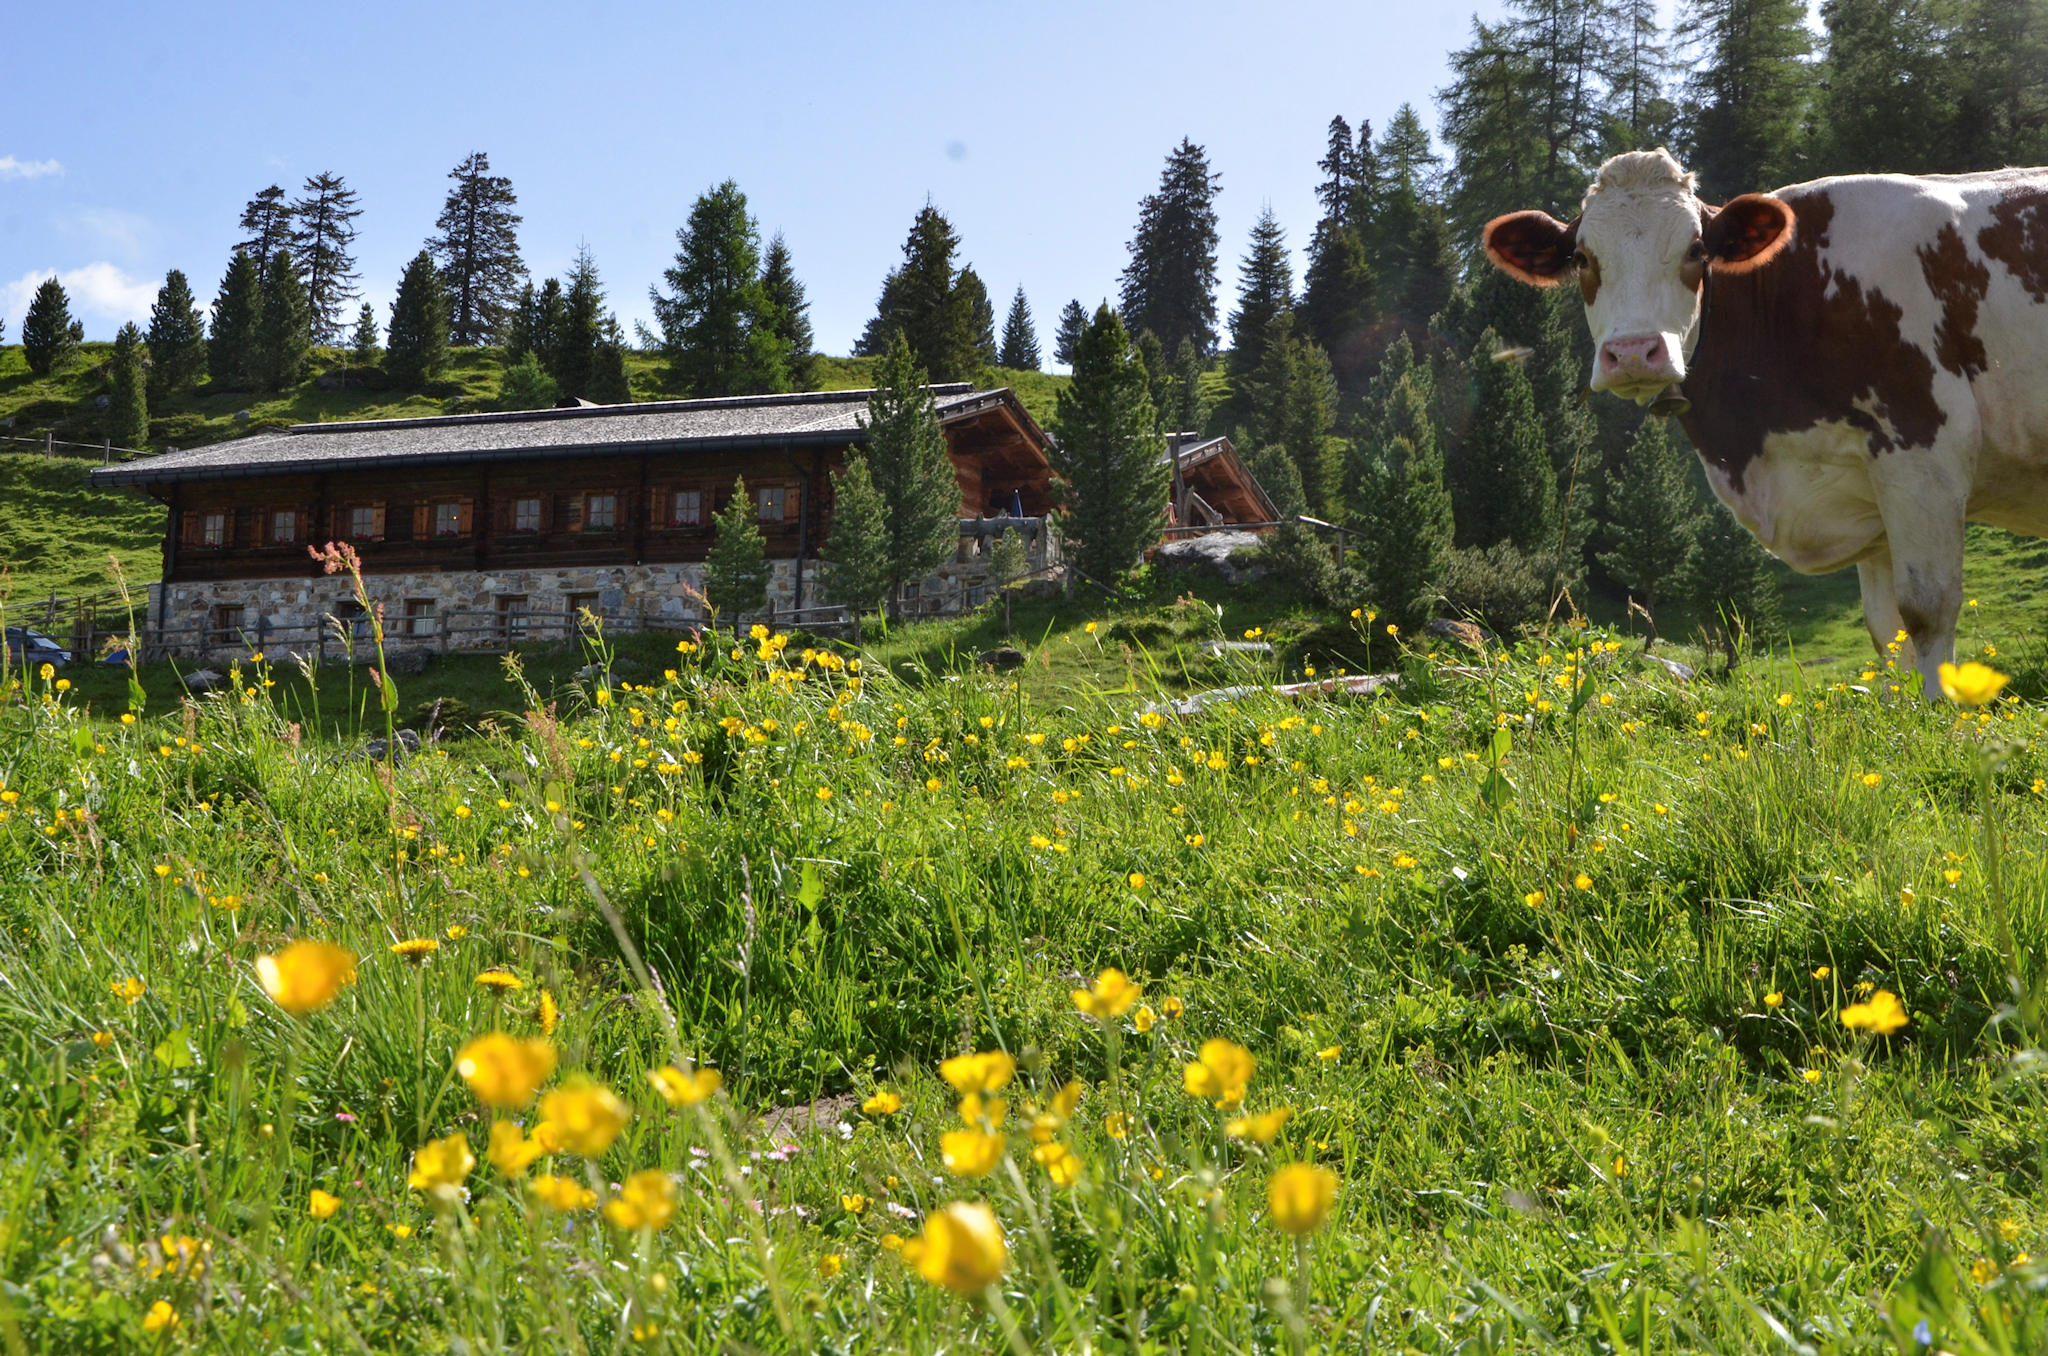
(1925,529)
(1880,605)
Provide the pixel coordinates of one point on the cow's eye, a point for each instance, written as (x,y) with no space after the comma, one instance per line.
(1698,250)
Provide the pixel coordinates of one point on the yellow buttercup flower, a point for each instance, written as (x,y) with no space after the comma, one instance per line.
(582,1117)
(830,1265)
(1300,1197)
(1220,1075)
(161,1315)
(685,1089)
(561,1193)
(1330,1054)
(1971,684)
(1264,1127)
(969,1152)
(984,1072)
(883,1103)
(321,1205)
(853,1204)
(129,990)
(512,1151)
(505,1071)
(961,1249)
(441,1162)
(1062,1164)
(1112,996)
(1774,999)
(1882,1013)
(1144,1019)
(646,1200)
(305,976)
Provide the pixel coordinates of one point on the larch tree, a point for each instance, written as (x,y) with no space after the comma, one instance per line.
(476,246)
(912,471)
(1169,286)
(718,334)
(736,570)
(48,337)
(1749,97)
(1651,512)
(418,347)
(1638,109)
(323,243)
(127,422)
(789,315)
(1109,453)
(177,339)
(857,575)
(1067,337)
(284,342)
(237,312)
(1019,350)
(267,222)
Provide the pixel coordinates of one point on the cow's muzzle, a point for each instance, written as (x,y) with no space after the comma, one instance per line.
(1639,366)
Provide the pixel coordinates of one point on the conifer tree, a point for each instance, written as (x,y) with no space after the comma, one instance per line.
(128,404)
(231,345)
(736,570)
(578,330)
(1109,454)
(1339,305)
(2001,108)
(533,323)
(363,347)
(48,336)
(418,347)
(1730,582)
(1403,157)
(1294,548)
(608,382)
(1747,101)
(1265,291)
(177,339)
(283,334)
(1006,565)
(525,385)
(857,574)
(789,314)
(1019,351)
(1650,517)
(1502,486)
(718,334)
(1169,287)
(923,299)
(981,315)
(1067,338)
(1638,110)
(267,218)
(1382,416)
(1405,546)
(911,469)
(323,234)
(476,247)
(1886,93)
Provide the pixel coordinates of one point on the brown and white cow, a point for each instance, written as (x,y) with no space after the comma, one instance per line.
(1862,362)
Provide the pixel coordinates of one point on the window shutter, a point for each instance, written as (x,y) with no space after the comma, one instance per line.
(302,521)
(377,521)
(465,520)
(660,502)
(422,521)
(188,528)
(572,513)
(337,522)
(503,515)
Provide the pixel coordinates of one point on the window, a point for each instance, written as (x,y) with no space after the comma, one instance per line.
(578,603)
(772,500)
(227,622)
(447,520)
(687,509)
(213,529)
(362,521)
(526,515)
(600,512)
(284,527)
(419,616)
(511,616)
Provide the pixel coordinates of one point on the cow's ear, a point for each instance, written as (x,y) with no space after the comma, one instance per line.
(1533,247)
(1746,232)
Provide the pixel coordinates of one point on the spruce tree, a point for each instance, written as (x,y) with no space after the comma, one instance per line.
(923,299)
(128,404)
(1294,549)
(911,469)
(1887,89)
(974,303)
(857,574)
(1067,338)
(1169,287)
(1730,583)
(533,322)
(418,347)
(267,218)
(1019,351)
(1158,376)
(476,246)
(1386,412)
(736,570)
(283,335)
(1502,486)
(718,333)
(1339,306)
(1405,546)
(177,339)
(1748,99)
(1108,452)
(579,328)
(231,345)
(608,382)
(789,316)
(1265,291)
(323,234)
(48,336)
(1007,564)
(363,347)
(2001,113)
(525,385)
(1650,518)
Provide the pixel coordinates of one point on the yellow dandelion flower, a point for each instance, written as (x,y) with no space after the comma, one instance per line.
(505,1071)
(306,976)
(415,949)
(500,981)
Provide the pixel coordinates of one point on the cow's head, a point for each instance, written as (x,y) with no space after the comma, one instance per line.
(1641,249)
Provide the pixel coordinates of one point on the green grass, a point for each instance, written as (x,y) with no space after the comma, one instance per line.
(57,532)
(1532,1034)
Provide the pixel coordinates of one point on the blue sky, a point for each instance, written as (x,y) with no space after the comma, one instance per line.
(131,135)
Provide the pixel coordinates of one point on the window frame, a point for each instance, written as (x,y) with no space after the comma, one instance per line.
(519,506)
(611,510)
(675,509)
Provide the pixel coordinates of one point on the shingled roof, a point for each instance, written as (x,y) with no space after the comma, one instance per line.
(811,418)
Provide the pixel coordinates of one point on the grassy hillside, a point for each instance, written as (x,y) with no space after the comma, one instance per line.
(56,532)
